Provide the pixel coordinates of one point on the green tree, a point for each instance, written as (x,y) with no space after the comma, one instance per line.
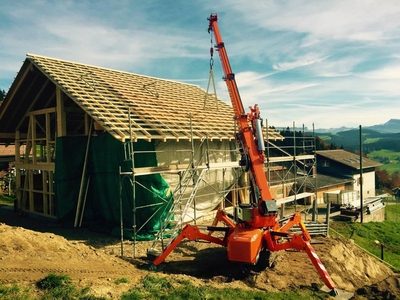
(382,179)
(395,180)
(2,95)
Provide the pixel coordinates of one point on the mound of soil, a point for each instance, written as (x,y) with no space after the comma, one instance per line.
(94,260)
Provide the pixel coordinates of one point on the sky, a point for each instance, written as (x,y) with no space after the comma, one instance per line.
(322,64)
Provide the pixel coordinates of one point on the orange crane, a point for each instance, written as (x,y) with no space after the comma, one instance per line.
(254,228)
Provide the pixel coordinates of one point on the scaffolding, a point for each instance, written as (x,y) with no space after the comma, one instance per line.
(290,164)
(291,167)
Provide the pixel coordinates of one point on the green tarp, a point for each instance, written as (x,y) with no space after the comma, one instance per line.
(102,205)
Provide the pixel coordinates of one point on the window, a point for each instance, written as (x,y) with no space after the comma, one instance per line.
(325,163)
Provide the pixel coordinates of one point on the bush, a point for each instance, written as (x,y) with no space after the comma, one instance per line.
(61,287)
(53,281)
(121,280)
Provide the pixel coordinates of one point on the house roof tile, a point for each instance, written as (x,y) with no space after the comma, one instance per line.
(348,158)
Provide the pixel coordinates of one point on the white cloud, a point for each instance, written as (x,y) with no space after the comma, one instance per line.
(299,60)
(307,60)
(367,20)
(337,67)
(250,78)
(388,72)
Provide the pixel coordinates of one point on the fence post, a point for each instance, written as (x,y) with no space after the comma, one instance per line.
(328,216)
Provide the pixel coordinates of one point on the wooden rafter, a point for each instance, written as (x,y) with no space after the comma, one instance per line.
(159,108)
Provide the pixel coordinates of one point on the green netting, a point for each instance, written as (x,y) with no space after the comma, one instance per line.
(102,206)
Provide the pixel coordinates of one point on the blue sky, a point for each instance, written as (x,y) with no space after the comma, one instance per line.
(328,63)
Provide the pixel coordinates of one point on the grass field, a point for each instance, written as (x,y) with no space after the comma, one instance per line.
(391,167)
(151,287)
(389,159)
(325,137)
(387,233)
(371,140)
(6,200)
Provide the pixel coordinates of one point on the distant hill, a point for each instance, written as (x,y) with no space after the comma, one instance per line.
(333,130)
(392,126)
(372,139)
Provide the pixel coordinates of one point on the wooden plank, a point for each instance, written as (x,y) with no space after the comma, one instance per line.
(293,198)
(17,147)
(42,111)
(174,169)
(28,145)
(32,123)
(38,166)
(10,136)
(48,138)
(160,169)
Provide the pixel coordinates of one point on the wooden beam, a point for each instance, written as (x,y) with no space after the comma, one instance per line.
(32,101)
(42,111)
(48,138)
(160,169)
(32,121)
(61,118)
(182,167)
(39,166)
(4,135)
(28,145)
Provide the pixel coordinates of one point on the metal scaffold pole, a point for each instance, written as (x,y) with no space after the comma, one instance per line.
(133,183)
(314,176)
(121,213)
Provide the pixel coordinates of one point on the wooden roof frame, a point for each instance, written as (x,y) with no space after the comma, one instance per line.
(131,106)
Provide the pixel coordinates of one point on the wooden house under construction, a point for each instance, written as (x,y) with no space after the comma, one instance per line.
(99,144)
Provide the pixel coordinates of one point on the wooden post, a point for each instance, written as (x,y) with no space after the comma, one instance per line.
(48,138)
(17,205)
(61,118)
(83,179)
(314,210)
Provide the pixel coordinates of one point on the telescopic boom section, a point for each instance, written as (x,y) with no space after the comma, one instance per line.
(229,76)
(250,138)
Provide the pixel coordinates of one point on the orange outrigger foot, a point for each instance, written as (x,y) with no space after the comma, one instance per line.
(247,250)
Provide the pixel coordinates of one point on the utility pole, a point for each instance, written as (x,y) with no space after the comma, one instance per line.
(361,179)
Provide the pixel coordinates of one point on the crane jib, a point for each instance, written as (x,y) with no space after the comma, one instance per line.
(253,227)
(252,137)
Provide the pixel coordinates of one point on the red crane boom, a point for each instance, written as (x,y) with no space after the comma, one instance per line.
(255,228)
(250,137)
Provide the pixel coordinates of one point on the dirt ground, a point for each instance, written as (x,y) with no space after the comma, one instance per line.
(30,249)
